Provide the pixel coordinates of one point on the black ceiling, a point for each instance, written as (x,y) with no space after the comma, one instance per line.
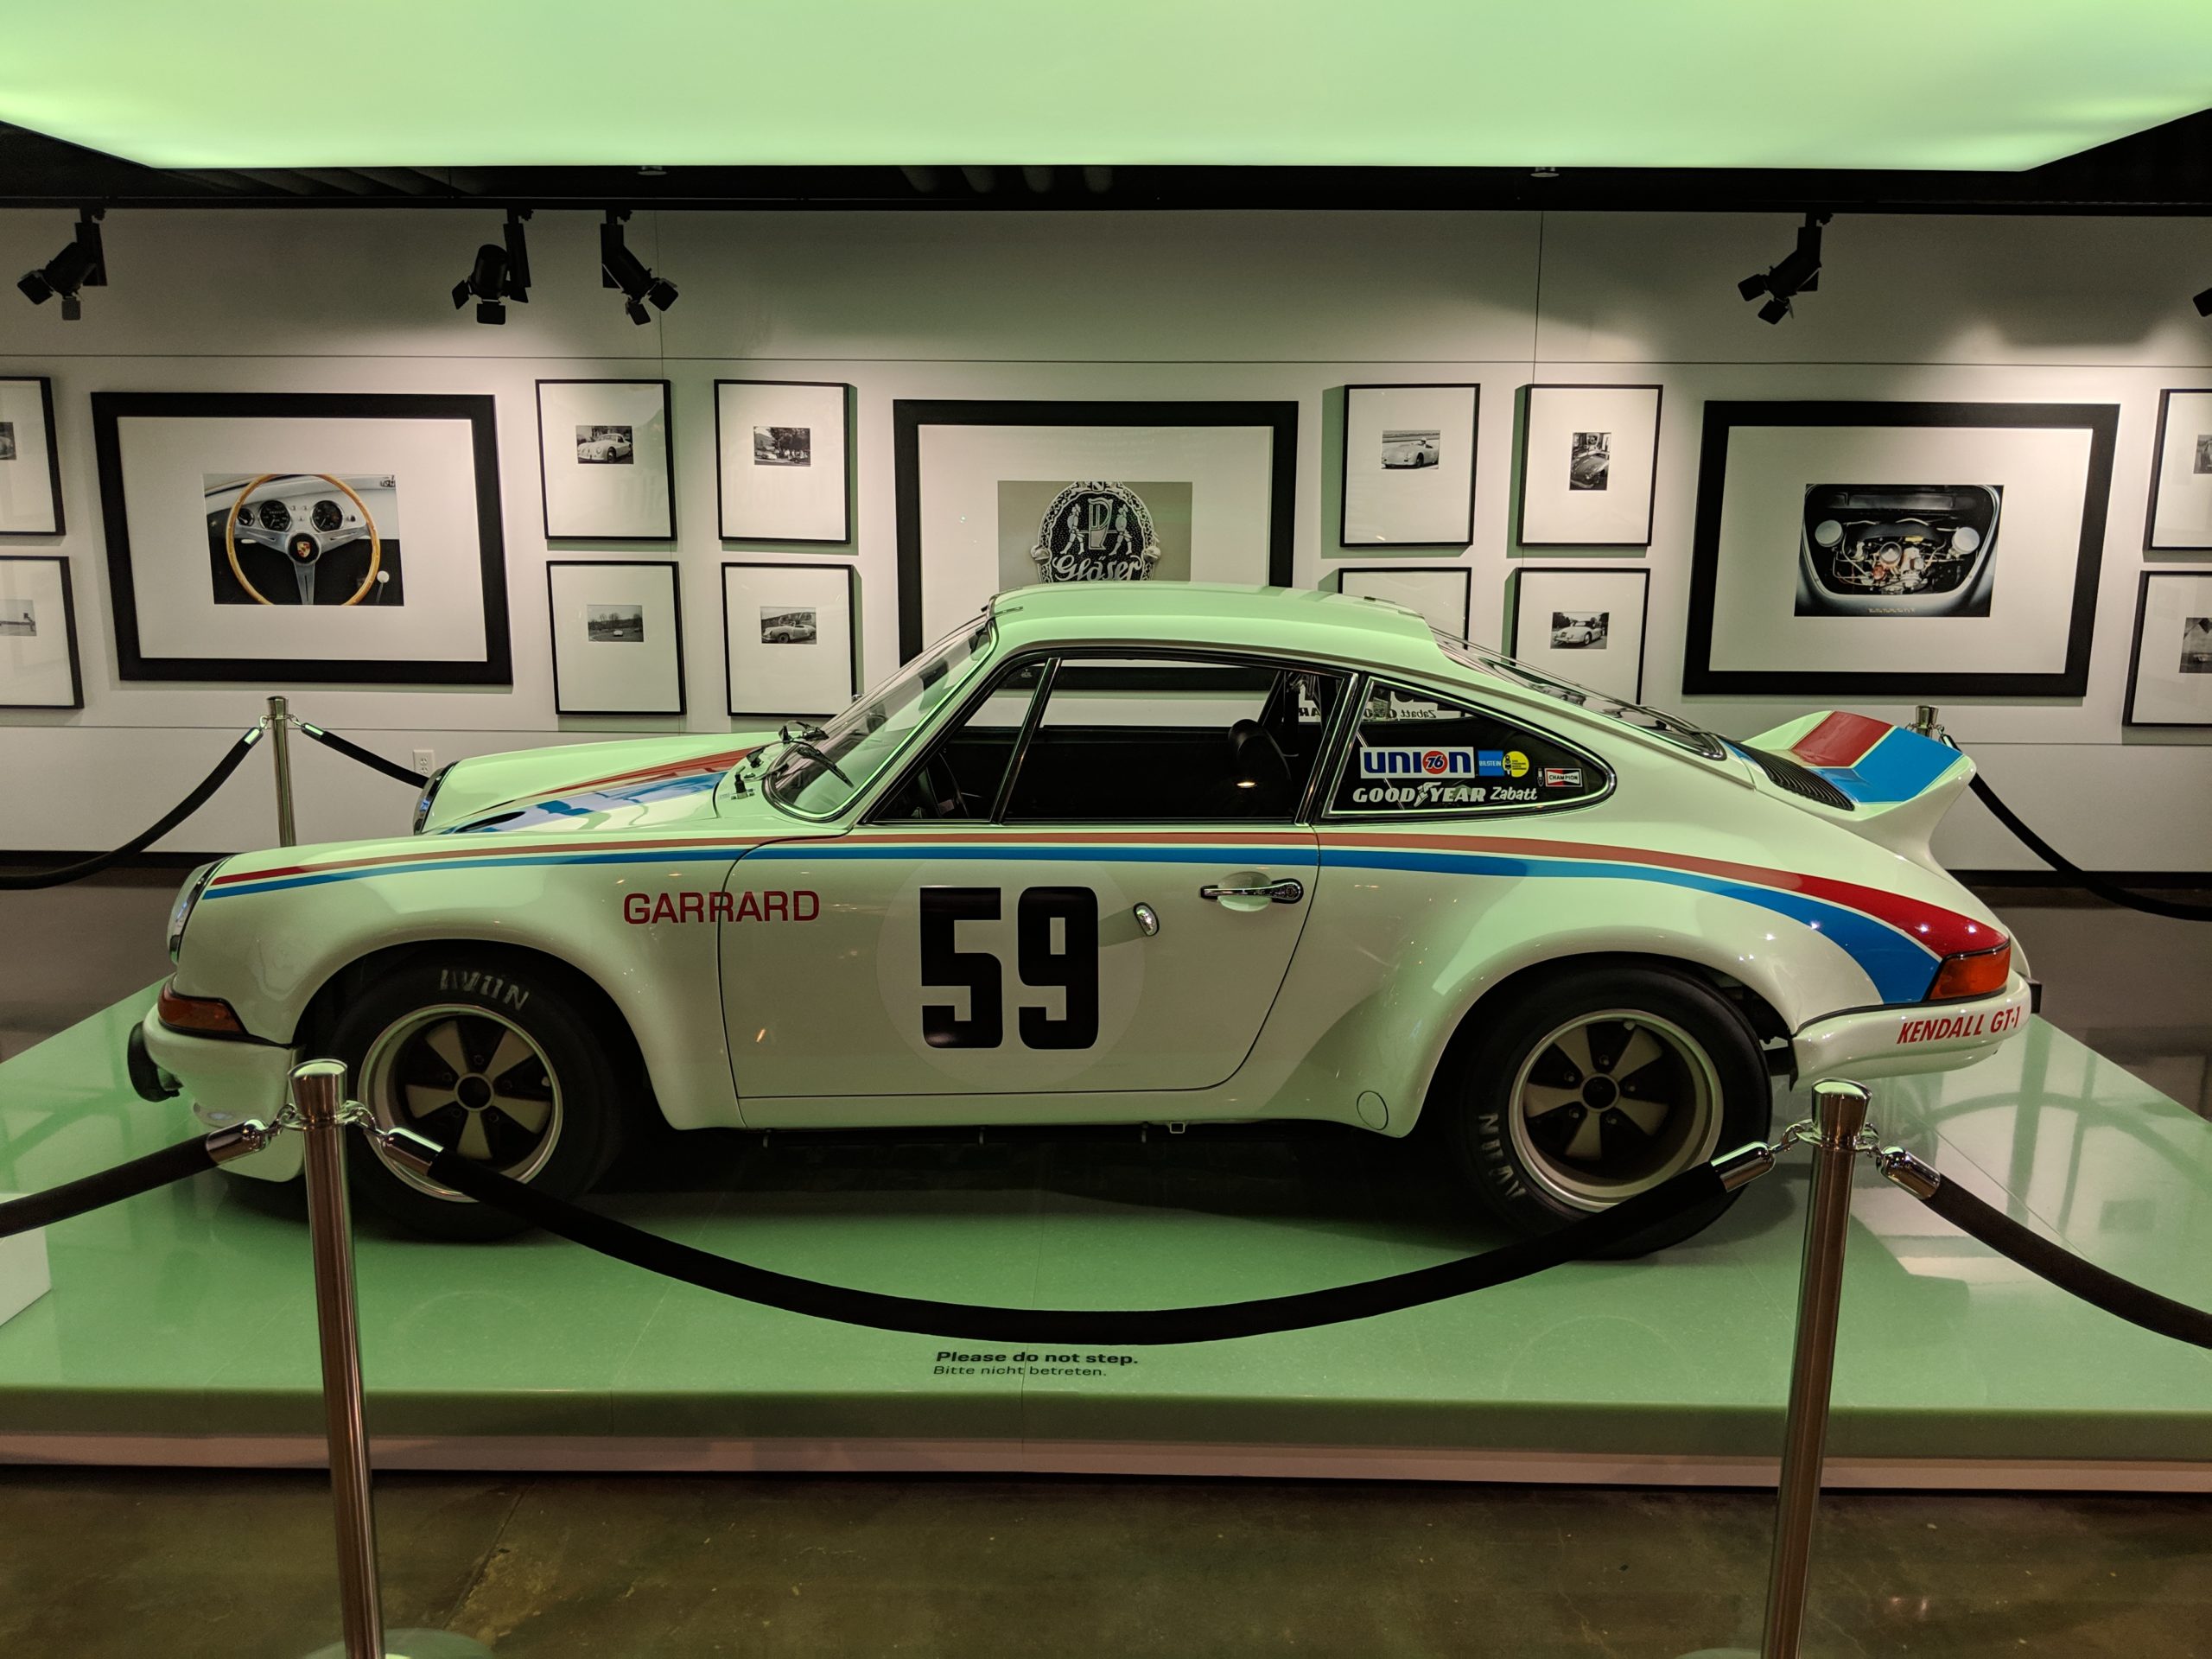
(2166,169)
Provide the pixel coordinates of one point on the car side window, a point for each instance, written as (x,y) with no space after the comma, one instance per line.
(1417,752)
(961,775)
(1165,742)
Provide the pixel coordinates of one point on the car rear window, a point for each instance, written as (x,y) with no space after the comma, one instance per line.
(1417,752)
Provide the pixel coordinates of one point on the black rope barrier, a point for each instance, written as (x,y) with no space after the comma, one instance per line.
(2120,1297)
(2105,889)
(368,758)
(177,1163)
(25,881)
(1594,1235)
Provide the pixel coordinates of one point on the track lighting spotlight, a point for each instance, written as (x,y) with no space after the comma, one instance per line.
(81,264)
(499,273)
(1799,273)
(620,268)
(2203,303)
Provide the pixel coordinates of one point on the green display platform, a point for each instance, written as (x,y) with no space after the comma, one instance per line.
(180,1326)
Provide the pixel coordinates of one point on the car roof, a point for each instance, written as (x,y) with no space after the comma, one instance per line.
(1293,621)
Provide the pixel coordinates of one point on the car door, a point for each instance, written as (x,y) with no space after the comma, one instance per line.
(1080,887)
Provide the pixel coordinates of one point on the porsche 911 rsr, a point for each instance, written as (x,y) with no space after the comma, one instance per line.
(1118,853)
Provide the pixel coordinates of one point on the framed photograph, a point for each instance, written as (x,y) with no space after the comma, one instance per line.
(604,465)
(1588,455)
(1912,550)
(1409,465)
(1583,623)
(349,538)
(789,639)
(618,636)
(994,496)
(781,461)
(38,634)
(2170,673)
(1440,593)
(2179,519)
(30,465)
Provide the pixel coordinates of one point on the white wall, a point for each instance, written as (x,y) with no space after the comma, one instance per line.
(1259,305)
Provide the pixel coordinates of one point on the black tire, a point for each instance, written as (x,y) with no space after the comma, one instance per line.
(1707,1091)
(551,1114)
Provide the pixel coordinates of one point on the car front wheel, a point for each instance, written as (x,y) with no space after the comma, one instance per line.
(1593,1085)
(494,1060)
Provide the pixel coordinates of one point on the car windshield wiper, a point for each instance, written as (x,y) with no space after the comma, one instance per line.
(801,747)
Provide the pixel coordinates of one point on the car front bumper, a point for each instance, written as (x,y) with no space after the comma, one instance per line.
(226,1082)
(1897,1042)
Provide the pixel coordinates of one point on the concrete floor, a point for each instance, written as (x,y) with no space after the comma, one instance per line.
(101,1563)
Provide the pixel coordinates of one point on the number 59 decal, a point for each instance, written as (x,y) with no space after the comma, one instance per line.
(1072,969)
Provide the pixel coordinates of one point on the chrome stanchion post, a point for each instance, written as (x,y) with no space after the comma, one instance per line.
(1839,1115)
(280,735)
(319,1093)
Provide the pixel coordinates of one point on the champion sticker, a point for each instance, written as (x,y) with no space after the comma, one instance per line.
(1562,777)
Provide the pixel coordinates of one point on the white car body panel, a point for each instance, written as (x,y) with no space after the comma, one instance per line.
(679,895)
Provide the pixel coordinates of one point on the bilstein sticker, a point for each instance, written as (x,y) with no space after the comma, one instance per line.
(639,908)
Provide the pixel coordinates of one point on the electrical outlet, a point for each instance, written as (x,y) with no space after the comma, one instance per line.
(426,761)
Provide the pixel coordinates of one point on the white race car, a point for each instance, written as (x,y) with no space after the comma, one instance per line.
(1118,853)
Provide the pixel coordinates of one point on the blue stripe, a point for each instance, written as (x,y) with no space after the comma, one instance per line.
(1071,852)
(1899,765)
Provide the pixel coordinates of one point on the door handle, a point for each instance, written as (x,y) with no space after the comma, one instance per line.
(1285,892)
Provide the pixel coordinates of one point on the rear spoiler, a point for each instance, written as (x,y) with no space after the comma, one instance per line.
(1899,784)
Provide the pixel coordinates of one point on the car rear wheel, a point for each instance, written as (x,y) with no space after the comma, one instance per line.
(1590,1086)
(494,1060)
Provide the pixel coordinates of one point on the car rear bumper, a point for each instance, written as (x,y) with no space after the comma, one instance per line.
(1896,1042)
(226,1082)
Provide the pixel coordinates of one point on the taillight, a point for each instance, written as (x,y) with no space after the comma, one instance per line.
(206,1016)
(1976,973)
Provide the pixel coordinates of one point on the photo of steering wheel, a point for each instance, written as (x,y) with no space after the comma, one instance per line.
(304,544)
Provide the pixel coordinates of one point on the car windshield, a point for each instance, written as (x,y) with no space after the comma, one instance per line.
(1678,731)
(816,772)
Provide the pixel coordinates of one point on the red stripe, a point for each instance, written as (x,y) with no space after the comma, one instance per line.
(1840,740)
(696,764)
(1944,931)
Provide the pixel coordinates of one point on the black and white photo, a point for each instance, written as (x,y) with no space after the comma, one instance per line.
(38,634)
(1903,550)
(1409,461)
(1588,465)
(30,466)
(2179,516)
(605,468)
(790,638)
(1093,530)
(782,446)
(324,538)
(1409,451)
(783,460)
(635,607)
(614,625)
(1580,630)
(1582,623)
(1441,593)
(605,446)
(2170,669)
(788,624)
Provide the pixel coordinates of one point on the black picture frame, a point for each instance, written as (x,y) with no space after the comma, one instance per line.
(52,465)
(1642,574)
(1521,460)
(1700,679)
(2198,550)
(668,430)
(2135,654)
(553,635)
(1474,391)
(910,416)
(496,667)
(69,627)
(844,537)
(1362,568)
(852,632)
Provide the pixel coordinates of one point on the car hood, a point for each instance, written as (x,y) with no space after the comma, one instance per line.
(629,785)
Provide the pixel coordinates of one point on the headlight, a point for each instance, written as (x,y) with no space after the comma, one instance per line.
(186,897)
(431,794)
